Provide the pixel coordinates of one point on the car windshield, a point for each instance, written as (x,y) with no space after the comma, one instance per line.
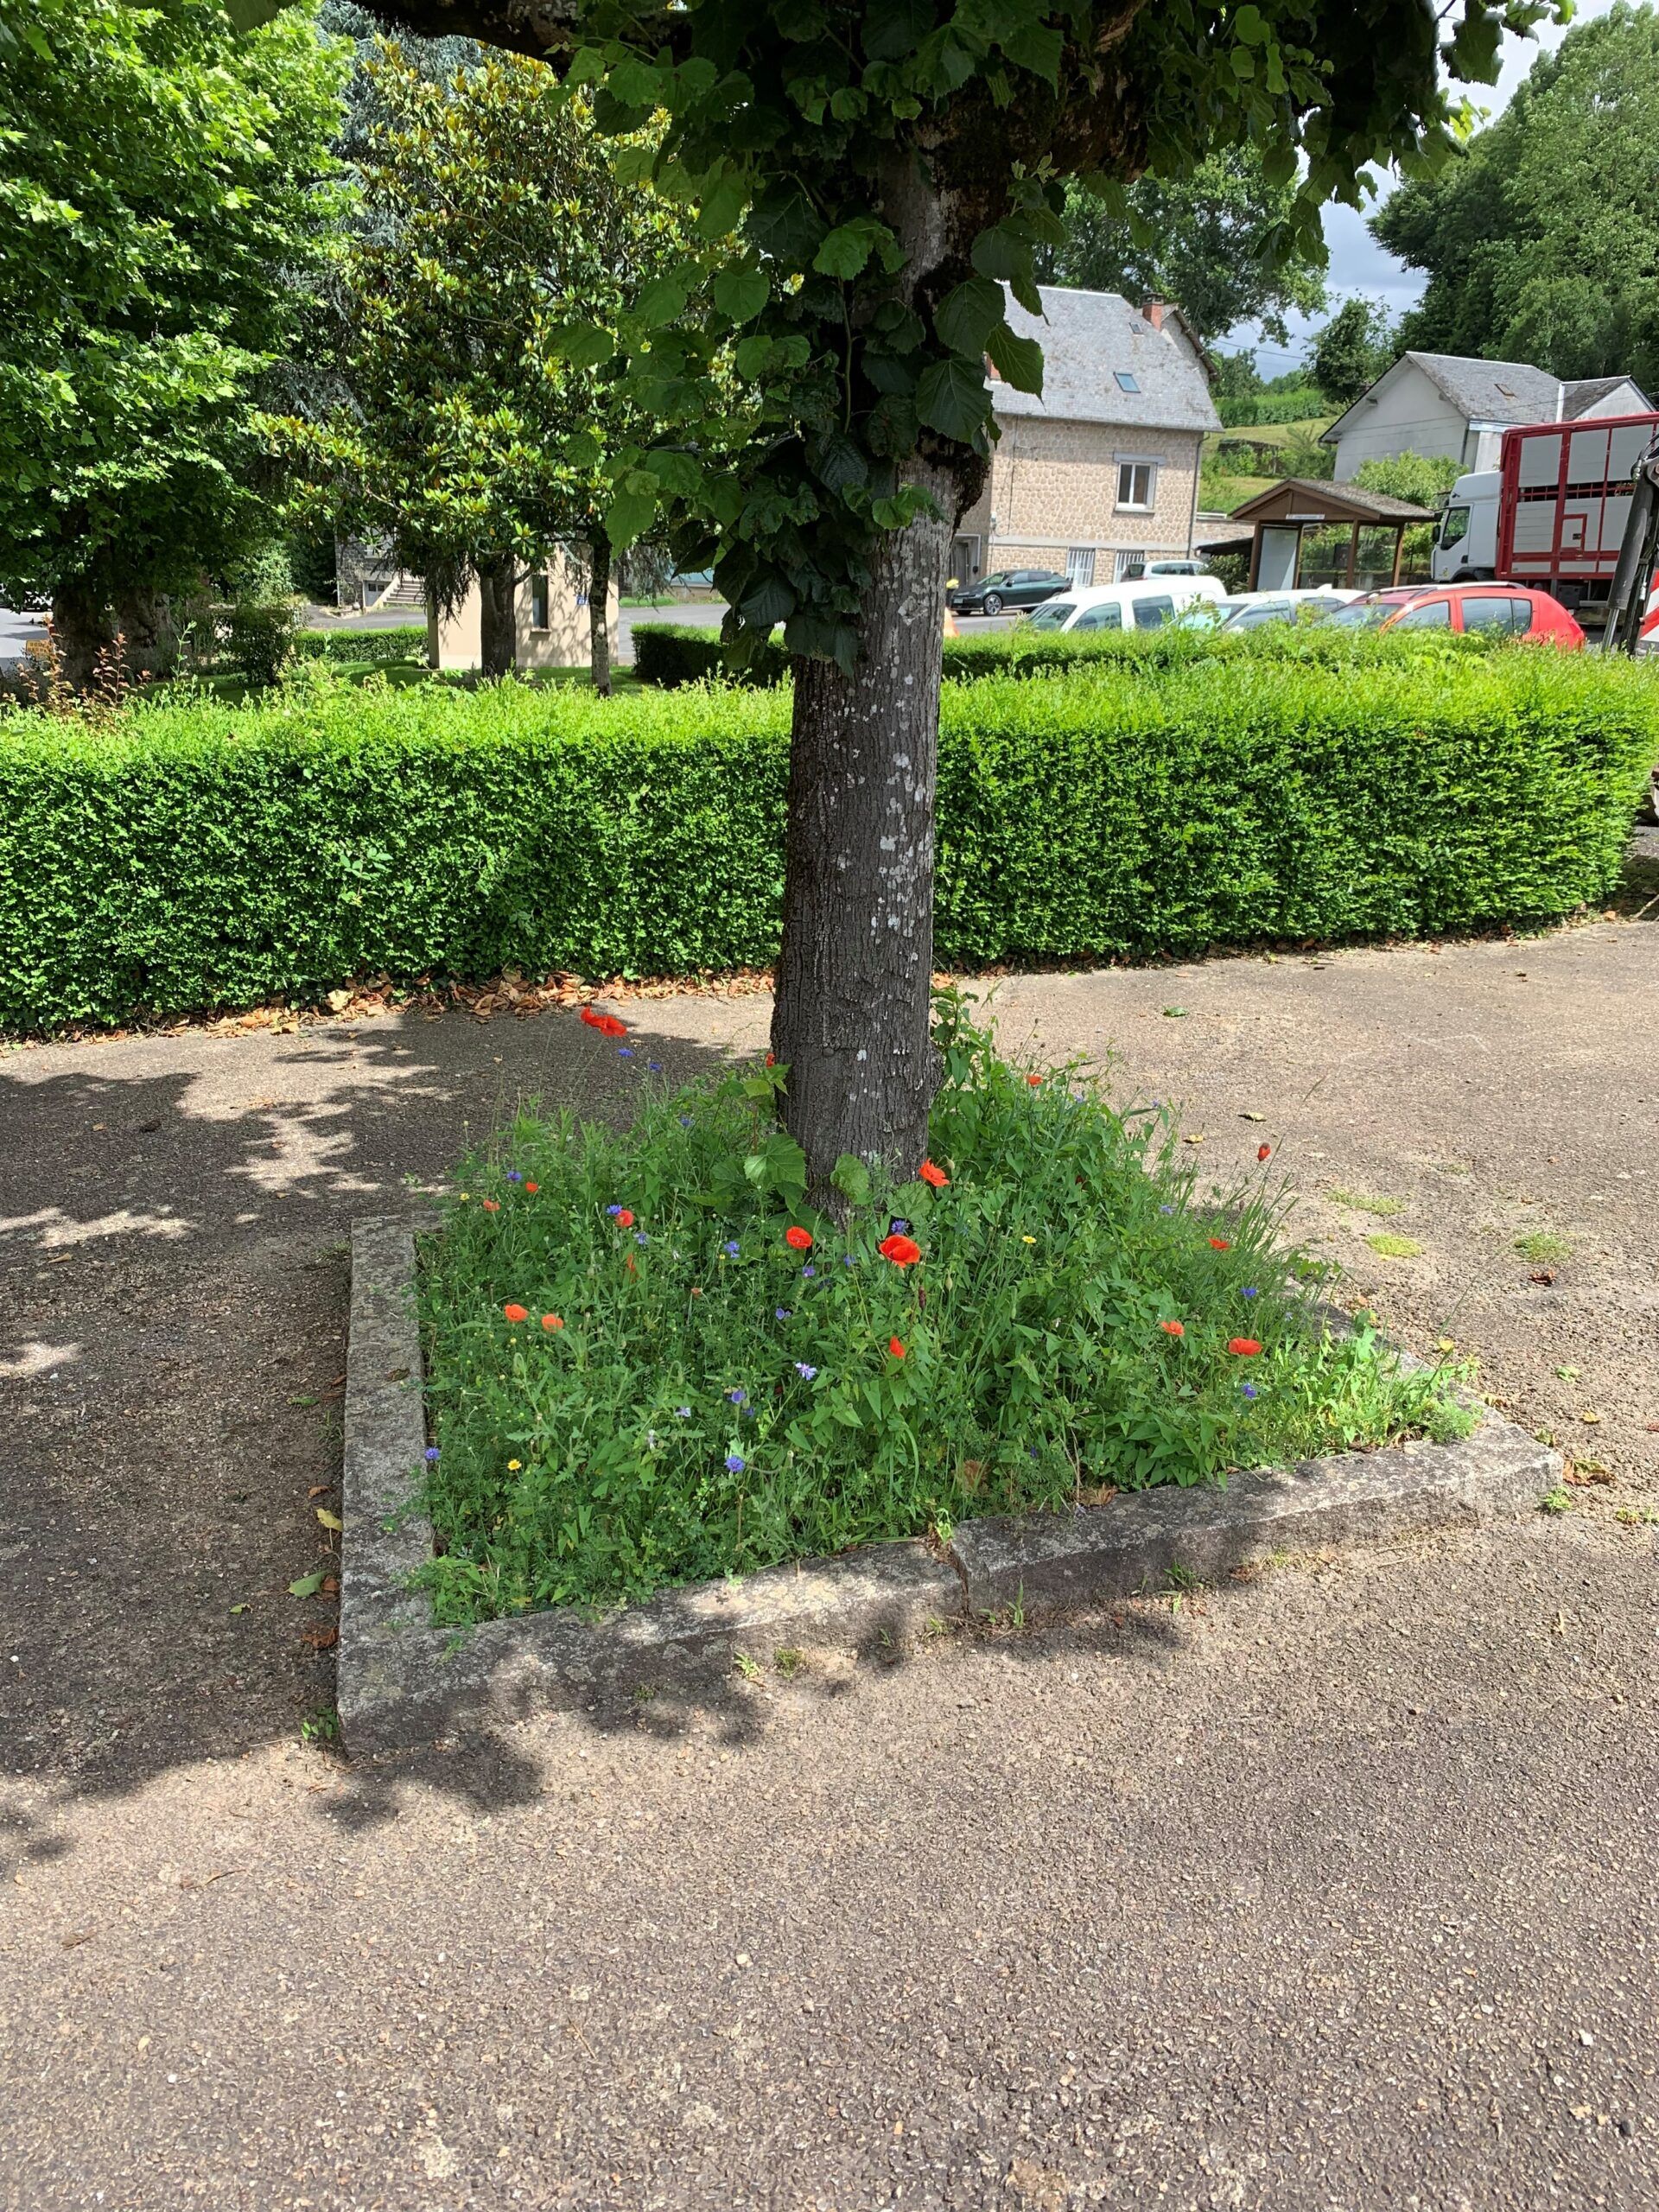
(998,583)
(1051,615)
(1254,612)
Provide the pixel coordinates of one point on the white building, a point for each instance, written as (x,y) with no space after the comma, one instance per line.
(1445,403)
(551,619)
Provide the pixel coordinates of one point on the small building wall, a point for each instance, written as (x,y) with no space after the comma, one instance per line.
(1411,414)
(454,640)
(1053,492)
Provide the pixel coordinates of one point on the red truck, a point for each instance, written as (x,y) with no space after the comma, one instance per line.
(1552,514)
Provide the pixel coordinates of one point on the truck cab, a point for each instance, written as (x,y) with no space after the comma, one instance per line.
(1466,545)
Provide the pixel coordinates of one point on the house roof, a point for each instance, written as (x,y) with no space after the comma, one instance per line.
(1087,337)
(1491,391)
(1304,499)
(1582,392)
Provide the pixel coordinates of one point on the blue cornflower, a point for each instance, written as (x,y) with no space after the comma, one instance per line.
(613,1211)
(655,1066)
(1248,1291)
(734,1463)
(682,1413)
(848,1260)
(1247,1389)
(514,1175)
(781,1313)
(731,1248)
(897,1228)
(739,1397)
(1166,1209)
(809,1272)
(640,1237)
(431,1455)
(625,1051)
(805,1372)
(685,1121)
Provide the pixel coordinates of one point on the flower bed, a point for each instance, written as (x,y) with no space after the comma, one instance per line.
(651,1363)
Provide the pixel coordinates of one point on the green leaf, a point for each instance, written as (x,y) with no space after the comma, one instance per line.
(839,462)
(1036,47)
(1250,25)
(1000,253)
(771,600)
(249,14)
(895,28)
(750,357)
(846,249)
(1018,361)
(722,203)
(584,345)
(661,301)
(678,473)
(851,1177)
(965,316)
(309,1585)
(952,397)
(629,516)
(739,293)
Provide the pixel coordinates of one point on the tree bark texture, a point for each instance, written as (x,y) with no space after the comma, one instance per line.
(855,973)
(82,630)
(599,610)
(149,639)
(498,631)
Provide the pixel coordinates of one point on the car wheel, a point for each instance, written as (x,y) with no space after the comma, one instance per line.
(993,602)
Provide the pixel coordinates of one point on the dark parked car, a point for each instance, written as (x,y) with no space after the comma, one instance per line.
(1007,587)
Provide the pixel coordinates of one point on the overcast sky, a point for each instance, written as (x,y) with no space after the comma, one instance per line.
(1358,264)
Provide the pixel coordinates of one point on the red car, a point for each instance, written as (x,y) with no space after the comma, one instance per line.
(1509,608)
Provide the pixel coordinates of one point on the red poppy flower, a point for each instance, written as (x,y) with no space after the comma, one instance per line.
(799,1240)
(551,1321)
(516,1313)
(491,1206)
(1246,1347)
(1219,1244)
(532,1188)
(936,1176)
(1174,1328)
(1033,1080)
(895,1347)
(624,1218)
(628,1264)
(772,1059)
(592,1019)
(608,1026)
(903,1251)
(1264,1152)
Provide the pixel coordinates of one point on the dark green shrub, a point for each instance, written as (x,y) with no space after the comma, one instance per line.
(259,638)
(672,653)
(407,641)
(195,855)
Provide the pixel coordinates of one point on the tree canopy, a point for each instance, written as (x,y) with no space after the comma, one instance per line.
(1353,351)
(1541,243)
(163,188)
(1202,240)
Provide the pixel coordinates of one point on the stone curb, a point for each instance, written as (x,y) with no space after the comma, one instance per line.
(404,1681)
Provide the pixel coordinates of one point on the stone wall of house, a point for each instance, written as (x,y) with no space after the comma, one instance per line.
(1053,488)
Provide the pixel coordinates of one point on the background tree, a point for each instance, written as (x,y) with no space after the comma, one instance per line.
(1353,351)
(890,166)
(1219,242)
(491,212)
(163,186)
(1541,243)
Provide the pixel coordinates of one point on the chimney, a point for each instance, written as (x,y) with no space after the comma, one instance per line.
(1153,311)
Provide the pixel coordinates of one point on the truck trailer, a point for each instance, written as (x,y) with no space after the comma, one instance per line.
(1552,514)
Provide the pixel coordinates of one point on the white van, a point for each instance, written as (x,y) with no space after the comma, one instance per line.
(1146,604)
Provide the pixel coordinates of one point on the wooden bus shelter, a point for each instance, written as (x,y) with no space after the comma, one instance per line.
(1278,518)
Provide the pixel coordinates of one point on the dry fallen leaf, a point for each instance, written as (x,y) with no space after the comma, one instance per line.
(329,1520)
(319,1490)
(321,1638)
(1248,1117)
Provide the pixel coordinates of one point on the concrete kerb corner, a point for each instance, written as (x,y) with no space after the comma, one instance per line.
(402,1680)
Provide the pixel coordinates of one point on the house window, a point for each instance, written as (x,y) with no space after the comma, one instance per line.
(1080,566)
(1129,566)
(538,601)
(1125,381)
(1135,480)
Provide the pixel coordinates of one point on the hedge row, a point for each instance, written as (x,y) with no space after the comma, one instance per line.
(671,654)
(406,641)
(206,855)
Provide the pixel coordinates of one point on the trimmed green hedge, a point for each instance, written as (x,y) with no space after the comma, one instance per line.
(405,641)
(201,855)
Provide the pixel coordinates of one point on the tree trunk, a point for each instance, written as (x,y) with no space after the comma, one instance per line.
(598,607)
(144,619)
(82,630)
(498,630)
(855,970)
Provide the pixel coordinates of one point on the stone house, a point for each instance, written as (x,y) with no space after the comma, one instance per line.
(1447,404)
(1099,473)
(550,623)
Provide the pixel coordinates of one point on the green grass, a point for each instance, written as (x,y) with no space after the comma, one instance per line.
(1394,1247)
(1540,1246)
(1362,1201)
(624,1403)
